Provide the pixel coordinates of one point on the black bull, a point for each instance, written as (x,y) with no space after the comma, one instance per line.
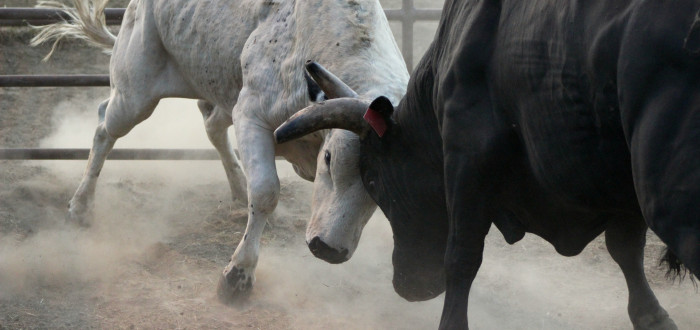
(560,118)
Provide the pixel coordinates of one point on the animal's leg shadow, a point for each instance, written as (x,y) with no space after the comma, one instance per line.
(625,240)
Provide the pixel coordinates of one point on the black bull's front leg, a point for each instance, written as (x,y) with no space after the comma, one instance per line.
(473,141)
(472,180)
(659,78)
(471,183)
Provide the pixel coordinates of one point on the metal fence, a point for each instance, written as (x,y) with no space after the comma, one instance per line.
(407,15)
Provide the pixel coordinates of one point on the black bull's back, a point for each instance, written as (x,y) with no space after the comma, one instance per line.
(538,106)
(567,118)
(548,84)
(561,152)
(552,80)
(593,107)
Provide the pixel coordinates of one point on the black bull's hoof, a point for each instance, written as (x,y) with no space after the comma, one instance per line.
(234,286)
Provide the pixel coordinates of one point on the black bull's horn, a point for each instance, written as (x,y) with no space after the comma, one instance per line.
(331,85)
(344,113)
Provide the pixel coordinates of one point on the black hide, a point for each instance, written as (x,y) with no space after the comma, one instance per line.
(559,118)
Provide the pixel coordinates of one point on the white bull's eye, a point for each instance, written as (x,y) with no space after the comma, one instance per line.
(327,157)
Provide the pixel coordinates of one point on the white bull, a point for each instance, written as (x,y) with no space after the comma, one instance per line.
(244,61)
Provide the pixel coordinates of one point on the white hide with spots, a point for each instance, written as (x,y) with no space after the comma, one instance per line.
(244,60)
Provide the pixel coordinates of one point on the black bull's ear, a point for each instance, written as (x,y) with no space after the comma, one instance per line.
(378,115)
(350,114)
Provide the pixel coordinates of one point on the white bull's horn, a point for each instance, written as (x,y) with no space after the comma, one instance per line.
(331,85)
(345,113)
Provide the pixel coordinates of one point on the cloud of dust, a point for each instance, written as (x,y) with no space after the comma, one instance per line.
(174,124)
(137,207)
(63,256)
(357,294)
(48,253)
(129,220)
(53,254)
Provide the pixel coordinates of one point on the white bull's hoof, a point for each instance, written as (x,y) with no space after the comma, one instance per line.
(78,215)
(235,285)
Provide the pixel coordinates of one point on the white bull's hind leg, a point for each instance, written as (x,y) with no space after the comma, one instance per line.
(80,206)
(115,121)
(216,123)
(257,150)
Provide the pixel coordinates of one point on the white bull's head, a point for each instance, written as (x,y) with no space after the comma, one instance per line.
(340,207)
(389,167)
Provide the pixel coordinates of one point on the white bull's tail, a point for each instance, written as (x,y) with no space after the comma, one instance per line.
(87,22)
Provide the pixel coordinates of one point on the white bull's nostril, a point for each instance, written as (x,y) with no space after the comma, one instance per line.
(322,251)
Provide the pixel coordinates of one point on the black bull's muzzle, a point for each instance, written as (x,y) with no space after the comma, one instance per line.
(418,275)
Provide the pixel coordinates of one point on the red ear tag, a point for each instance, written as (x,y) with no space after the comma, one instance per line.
(376,121)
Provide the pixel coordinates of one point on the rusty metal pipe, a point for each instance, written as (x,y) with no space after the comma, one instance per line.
(73,80)
(44,16)
(116,154)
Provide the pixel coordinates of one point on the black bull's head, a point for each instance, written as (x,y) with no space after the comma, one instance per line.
(411,194)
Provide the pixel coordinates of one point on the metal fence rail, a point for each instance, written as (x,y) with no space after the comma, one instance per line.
(407,15)
(68,80)
(45,16)
(116,154)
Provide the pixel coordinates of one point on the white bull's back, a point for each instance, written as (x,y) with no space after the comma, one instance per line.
(218,47)
(205,38)
(354,42)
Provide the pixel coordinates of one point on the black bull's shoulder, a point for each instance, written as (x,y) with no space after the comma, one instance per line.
(561,118)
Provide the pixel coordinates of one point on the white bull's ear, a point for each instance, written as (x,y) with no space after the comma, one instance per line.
(344,113)
(331,85)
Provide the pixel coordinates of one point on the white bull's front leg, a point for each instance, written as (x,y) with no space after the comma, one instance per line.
(257,151)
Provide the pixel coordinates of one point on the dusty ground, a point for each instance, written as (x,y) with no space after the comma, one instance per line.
(164,230)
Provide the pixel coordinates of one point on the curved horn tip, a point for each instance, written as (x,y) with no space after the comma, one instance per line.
(282,134)
(331,85)
(312,65)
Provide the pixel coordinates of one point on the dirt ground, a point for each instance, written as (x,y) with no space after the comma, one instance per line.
(163,231)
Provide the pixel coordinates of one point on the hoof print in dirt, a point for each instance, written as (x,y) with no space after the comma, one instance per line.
(235,286)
